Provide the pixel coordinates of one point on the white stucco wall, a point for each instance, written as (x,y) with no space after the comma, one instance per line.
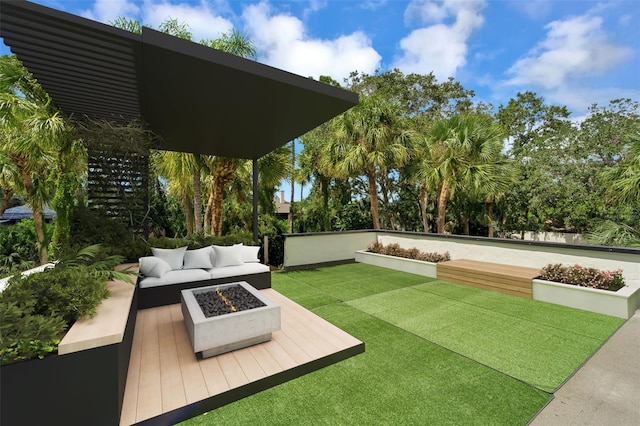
(324,247)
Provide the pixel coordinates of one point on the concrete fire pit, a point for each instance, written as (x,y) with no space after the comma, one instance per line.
(224,333)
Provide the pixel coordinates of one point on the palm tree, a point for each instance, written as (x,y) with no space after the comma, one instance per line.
(370,139)
(624,180)
(316,164)
(233,42)
(223,170)
(464,153)
(177,169)
(29,130)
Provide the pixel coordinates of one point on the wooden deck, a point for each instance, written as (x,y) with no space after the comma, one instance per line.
(508,279)
(168,383)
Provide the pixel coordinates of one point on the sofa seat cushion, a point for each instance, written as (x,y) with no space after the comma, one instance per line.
(244,269)
(175,277)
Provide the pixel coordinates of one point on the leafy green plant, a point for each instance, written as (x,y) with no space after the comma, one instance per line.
(412,253)
(18,250)
(583,277)
(198,240)
(71,293)
(94,226)
(24,334)
(36,309)
(610,233)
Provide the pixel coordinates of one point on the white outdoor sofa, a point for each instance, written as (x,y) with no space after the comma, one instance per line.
(169,271)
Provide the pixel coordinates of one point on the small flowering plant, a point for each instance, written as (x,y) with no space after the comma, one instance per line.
(584,277)
(412,253)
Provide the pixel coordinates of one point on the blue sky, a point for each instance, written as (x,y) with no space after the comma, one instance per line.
(574,53)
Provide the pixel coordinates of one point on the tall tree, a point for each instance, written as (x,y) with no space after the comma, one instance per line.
(370,139)
(538,134)
(177,169)
(30,128)
(463,154)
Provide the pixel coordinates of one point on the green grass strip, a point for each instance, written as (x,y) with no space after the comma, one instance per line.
(317,287)
(400,379)
(407,375)
(539,343)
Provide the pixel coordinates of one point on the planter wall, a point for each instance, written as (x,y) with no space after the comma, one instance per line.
(418,267)
(622,303)
(80,388)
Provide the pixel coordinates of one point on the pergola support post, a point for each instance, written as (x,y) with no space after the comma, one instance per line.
(255,200)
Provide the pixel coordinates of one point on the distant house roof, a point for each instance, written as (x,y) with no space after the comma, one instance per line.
(15,214)
(282,206)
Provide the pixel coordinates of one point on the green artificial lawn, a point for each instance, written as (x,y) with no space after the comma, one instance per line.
(436,353)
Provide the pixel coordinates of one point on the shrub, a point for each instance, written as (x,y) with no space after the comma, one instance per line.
(36,309)
(583,277)
(199,241)
(94,226)
(25,334)
(71,293)
(18,250)
(412,253)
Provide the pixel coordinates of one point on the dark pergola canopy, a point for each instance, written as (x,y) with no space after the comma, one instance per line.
(197,99)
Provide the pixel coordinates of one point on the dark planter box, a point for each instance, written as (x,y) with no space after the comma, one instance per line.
(80,388)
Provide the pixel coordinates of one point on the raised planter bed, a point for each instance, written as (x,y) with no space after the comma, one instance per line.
(622,303)
(223,333)
(418,267)
(88,374)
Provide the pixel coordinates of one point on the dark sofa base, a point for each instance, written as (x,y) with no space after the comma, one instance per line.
(150,297)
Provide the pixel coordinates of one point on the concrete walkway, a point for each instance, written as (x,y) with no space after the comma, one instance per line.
(606,390)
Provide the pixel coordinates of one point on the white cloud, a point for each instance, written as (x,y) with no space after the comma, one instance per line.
(573,48)
(281,41)
(203,22)
(534,9)
(440,47)
(579,98)
(108,10)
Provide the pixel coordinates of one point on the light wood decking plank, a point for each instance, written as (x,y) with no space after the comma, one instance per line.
(232,370)
(165,374)
(279,354)
(315,324)
(173,395)
(268,364)
(195,386)
(249,365)
(213,376)
(297,344)
(149,393)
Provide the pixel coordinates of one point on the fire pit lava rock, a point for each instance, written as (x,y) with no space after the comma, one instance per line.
(237,316)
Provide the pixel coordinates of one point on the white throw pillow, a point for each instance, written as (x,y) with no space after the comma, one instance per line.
(249,254)
(227,256)
(174,257)
(151,266)
(198,259)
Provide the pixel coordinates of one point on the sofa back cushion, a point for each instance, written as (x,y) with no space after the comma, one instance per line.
(174,257)
(228,256)
(151,266)
(198,259)
(249,254)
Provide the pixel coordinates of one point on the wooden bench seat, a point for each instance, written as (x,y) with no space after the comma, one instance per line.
(508,279)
